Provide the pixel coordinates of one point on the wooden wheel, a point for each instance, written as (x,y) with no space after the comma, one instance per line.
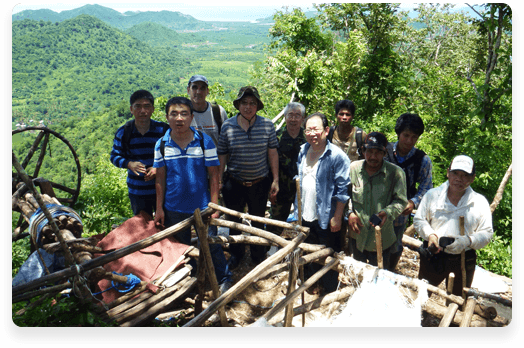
(66,194)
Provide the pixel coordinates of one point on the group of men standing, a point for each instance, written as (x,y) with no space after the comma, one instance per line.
(347,179)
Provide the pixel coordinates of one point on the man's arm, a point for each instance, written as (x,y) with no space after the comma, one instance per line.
(214,190)
(425,180)
(160,187)
(272,155)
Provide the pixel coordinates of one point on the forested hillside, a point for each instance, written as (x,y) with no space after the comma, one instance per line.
(83,65)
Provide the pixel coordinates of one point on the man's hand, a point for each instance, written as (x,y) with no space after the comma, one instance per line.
(354,223)
(136,167)
(383,216)
(273,191)
(335,224)
(459,245)
(409,208)
(159,218)
(150,174)
(215,215)
(433,240)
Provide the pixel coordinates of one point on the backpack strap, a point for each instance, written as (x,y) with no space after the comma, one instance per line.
(330,134)
(358,138)
(126,138)
(215,110)
(163,144)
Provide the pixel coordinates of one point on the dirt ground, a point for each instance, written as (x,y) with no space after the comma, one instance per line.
(262,295)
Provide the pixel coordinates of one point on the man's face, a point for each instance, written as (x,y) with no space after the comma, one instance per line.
(198,92)
(179,118)
(248,107)
(406,141)
(459,180)
(316,134)
(142,109)
(344,116)
(294,119)
(374,158)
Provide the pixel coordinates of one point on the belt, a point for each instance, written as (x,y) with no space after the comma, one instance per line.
(249,183)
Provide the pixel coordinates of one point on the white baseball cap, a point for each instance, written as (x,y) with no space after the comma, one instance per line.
(464,163)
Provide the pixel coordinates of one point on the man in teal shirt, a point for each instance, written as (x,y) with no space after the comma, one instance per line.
(378,187)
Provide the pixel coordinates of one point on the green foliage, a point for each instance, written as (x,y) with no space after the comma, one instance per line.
(104,199)
(62,312)
(497,256)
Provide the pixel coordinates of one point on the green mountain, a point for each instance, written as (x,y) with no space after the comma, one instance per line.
(82,65)
(169,19)
(157,35)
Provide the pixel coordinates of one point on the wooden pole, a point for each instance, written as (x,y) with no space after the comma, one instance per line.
(291,297)
(299,222)
(463,261)
(245,282)
(208,261)
(500,190)
(268,235)
(450,314)
(292,282)
(258,218)
(378,240)
(468,312)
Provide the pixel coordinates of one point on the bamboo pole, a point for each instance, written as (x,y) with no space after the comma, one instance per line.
(208,261)
(302,277)
(245,282)
(439,311)
(378,240)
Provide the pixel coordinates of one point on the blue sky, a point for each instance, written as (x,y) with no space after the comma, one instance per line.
(202,10)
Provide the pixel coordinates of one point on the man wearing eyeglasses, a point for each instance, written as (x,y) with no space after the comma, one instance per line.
(133,149)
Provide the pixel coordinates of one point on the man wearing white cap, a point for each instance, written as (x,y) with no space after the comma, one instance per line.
(438,216)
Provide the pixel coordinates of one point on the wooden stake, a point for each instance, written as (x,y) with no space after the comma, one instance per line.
(378,240)
(202,231)
(292,282)
(463,261)
(449,289)
(468,312)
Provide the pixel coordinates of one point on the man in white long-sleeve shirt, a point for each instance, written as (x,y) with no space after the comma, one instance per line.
(438,216)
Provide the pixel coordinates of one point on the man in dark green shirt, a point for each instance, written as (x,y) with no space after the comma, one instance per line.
(290,138)
(378,187)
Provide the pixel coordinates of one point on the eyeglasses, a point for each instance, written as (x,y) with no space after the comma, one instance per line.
(313,130)
(182,113)
(246,103)
(294,116)
(142,106)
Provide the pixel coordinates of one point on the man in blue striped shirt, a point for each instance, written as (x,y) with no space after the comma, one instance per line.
(133,148)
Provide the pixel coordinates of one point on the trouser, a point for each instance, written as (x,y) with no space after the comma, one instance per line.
(281,209)
(236,196)
(145,203)
(318,235)
(371,256)
(439,266)
(397,248)
(222,272)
